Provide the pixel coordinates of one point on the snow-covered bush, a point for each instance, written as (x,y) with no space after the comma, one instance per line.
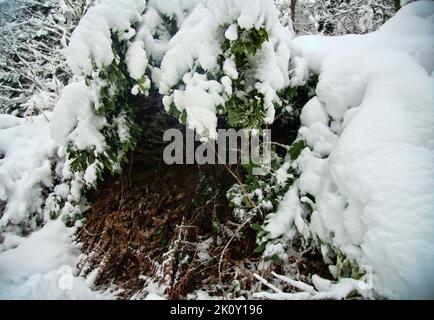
(94,120)
(368,165)
(33,71)
(260,194)
(356,183)
(229,58)
(114,52)
(117,49)
(27,153)
(93,123)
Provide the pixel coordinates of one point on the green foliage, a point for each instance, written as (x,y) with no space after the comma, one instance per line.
(245,108)
(260,248)
(298,96)
(256,227)
(115,100)
(250,197)
(296,148)
(277,260)
(262,194)
(169,25)
(112,85)
(259,194)
(247,44)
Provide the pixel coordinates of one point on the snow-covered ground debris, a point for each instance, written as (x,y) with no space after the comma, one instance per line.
(322,289)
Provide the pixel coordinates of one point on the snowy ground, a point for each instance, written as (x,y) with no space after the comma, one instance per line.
(42,266)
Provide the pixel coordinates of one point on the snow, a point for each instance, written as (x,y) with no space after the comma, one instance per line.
(230,69)
(282,174)
(91,174)
(7,121)
(25,168)
(152,290)
(227,85)
(202,295)
(136,59)
(316,130)
(177,9)
(280,223)
(75,121)
(91,41)
(371,167)
(43,251)
(232,32)
(323,289)
(49,287)
(275,250)
(123,128)
(202,249)
(155,29)
(41,267)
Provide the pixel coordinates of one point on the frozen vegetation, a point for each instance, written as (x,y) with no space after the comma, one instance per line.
(356,184)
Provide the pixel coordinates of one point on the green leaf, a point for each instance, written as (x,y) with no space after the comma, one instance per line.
(296,149)
(256,227)
(260,248)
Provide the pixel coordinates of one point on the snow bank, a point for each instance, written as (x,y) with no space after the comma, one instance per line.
(26,151)
(41,267)
(370,161)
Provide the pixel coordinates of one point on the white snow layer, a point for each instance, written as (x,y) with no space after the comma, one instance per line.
(91,40)
(41,267)
(136,59)
(75,121)
(26,150)
(374,118)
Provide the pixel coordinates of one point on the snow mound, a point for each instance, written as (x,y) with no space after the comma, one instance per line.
(370,161)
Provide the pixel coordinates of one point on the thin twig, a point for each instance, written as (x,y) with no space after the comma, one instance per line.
(224,250)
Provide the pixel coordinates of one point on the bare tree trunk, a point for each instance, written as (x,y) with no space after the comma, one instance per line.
(293,5)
